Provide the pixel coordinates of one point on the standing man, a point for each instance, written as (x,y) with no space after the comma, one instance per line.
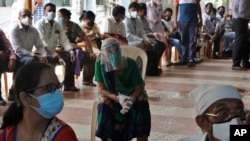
(241,17)
(52,34)
(7,59)
(190,19)
(37,10)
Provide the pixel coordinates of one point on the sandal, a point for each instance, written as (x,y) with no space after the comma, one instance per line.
(89,84)
(74,89)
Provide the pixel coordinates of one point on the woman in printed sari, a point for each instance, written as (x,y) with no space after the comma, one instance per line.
(32,116)
(123,111)
(84,59)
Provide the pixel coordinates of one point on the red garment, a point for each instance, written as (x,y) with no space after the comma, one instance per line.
(7,45)
(177,1)
(57,130)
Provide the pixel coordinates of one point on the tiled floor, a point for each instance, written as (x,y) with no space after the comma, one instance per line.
(172,113)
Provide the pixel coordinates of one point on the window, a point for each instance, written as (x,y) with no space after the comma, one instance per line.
(100,2)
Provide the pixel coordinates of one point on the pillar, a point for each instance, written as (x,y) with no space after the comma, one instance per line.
(28,4)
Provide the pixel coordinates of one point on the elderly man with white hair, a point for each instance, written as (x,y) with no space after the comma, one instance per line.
(217,107)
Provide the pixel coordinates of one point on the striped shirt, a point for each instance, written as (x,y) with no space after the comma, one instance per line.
(38,14)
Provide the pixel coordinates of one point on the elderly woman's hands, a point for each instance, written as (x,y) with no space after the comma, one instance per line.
(126,103)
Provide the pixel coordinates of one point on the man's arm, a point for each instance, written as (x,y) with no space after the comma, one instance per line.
(64,39)
(39,44)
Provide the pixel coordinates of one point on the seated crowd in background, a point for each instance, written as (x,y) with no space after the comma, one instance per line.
(145,28)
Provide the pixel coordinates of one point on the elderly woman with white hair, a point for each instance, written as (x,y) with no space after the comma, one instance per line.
(123,111)
(217,107)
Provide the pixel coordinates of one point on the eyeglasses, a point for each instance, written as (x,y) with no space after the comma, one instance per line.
(51,87)
(227,115)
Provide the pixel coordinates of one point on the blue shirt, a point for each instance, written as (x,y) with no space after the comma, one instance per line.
(188,10)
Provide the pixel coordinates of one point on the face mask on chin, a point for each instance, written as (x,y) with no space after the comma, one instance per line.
(225,127)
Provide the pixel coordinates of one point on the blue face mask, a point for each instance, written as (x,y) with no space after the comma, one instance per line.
(60,20)
(50,104)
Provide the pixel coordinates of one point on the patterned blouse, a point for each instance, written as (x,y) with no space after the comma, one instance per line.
(73,31)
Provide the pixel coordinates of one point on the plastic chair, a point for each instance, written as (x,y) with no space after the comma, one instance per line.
(134,53)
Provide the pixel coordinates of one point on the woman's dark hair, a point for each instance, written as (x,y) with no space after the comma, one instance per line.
(209,3)
(213,10)
(168,10)
(65,12)
(118,10)
(221,7)
(143,6)
(27,77)
(133,5)
(87,15)
(49,4)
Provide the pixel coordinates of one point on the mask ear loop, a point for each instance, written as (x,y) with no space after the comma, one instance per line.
(31,95)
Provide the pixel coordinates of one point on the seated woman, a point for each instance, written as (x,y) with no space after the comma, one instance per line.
(85,59)
(32,116)
(123,112)
(91,29)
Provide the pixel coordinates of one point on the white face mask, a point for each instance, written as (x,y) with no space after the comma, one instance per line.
(51,16)
(25,21)
(133,14)
(225,127)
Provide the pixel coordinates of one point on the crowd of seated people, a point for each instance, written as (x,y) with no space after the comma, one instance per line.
(218,29)
(147,26)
